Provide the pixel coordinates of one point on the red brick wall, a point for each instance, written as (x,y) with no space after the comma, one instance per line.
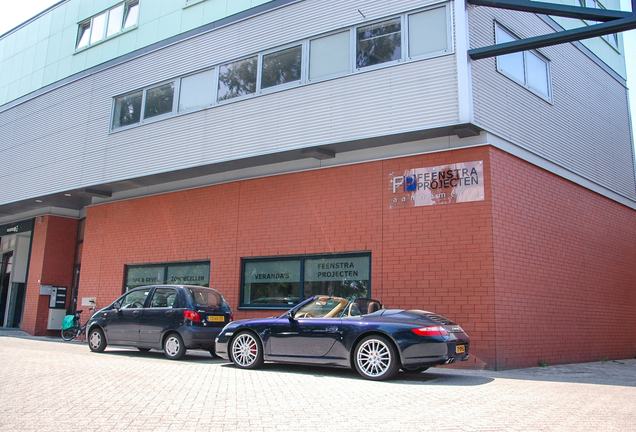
(565,269)
(51,263)
(465,261)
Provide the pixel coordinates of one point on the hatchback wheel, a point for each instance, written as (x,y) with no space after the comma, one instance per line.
(96,340)
(173,347)
(376,359)
(246,351)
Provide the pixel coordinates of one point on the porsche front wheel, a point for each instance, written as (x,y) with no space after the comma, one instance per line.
(246,351)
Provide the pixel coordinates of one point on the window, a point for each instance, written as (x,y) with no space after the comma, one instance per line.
(611,38)
(163,298)
(127,110)
(282,67)
(189,273)
(238,78)
(379,43)
(107,24)
(134,300)
(329,55)
(428,32)
(285,282)
(197,91)
(154,101)
(528,68)
(159,100)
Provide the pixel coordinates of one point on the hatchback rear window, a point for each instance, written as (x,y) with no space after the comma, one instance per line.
(202,297)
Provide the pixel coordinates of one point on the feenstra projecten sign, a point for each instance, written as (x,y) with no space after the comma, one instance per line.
(446,184)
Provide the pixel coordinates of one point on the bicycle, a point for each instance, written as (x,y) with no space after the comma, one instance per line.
(71,333)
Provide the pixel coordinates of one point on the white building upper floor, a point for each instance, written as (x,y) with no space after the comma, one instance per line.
(149,93)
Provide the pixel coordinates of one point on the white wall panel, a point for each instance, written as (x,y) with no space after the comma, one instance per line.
(585,129)
(64,142)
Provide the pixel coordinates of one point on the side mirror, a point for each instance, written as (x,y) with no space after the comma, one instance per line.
(290,315)
(117,306)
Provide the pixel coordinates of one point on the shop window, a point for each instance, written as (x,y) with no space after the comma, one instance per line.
(238,78)
(197,91)
(189,273)
(329,55)
(379,43)
(107,24)
(428,32)
(282,283)
(282,67)
(528,68)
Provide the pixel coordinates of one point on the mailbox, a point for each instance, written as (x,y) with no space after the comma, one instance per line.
(58,298)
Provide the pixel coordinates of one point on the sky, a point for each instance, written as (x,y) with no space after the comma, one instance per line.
(15,13)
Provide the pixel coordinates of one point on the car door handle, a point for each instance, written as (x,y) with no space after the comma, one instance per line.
(169,313)
(135,313)
(332,329)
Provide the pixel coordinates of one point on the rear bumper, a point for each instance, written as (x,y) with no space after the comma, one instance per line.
(199,337)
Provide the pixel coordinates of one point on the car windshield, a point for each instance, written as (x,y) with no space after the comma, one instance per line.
(204,298)
(322,307)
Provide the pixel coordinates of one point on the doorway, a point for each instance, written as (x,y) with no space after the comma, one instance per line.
(5,283)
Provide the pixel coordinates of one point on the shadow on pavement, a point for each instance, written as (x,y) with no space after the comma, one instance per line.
(430,377)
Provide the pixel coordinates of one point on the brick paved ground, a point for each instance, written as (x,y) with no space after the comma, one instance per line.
(50,385)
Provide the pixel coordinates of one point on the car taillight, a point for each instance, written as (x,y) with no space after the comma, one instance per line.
(431,331)
(231,317)
(191,315)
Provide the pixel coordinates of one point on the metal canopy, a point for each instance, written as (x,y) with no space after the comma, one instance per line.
(612,22)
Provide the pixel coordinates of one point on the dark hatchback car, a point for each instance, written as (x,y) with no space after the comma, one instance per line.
(172,318)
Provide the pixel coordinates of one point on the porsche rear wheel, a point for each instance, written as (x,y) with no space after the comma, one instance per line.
(376,358)
(246,351)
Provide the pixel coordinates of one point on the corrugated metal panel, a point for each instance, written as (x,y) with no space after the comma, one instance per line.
(585,129)
(61,138)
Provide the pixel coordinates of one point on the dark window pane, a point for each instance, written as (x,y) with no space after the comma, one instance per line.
(238,78)
(281,67)
(159,100)
(379,43)
(272,282)
(127,110)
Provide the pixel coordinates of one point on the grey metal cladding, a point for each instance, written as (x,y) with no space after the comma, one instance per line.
(585,128)
(62,140)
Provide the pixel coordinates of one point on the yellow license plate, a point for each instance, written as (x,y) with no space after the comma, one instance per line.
(460,349)
(216,318)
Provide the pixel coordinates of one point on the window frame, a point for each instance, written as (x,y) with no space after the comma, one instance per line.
(89,22)
(143,119)
(214,85)
(166,266)
(301,259)
(403,39)
(449,34)
(549,97)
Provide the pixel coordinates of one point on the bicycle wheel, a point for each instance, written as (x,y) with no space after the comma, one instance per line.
(69,333)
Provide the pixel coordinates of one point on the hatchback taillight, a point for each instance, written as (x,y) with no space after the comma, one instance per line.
(191,315)
(231,317)
(431,331)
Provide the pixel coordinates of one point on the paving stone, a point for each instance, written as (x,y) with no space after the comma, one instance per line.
(51,385)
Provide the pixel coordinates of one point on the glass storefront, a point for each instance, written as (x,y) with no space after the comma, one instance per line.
(276,282)
(188,273)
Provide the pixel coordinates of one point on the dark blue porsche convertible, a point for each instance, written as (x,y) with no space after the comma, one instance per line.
(360,334)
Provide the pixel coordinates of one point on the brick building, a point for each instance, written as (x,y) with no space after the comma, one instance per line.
(247,147)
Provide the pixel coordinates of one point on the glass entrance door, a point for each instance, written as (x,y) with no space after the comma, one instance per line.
(5,283)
